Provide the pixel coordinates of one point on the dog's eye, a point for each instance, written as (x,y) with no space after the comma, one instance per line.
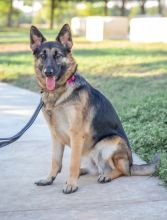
(59,56)
(43,56)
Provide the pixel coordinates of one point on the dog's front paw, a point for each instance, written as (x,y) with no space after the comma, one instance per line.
(103,179)
(45,182)
(70,188)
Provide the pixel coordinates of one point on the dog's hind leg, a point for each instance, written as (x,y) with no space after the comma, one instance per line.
(116,155)
(107,178)
(57,155)
(121,169)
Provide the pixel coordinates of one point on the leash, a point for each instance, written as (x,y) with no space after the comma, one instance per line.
(9,140)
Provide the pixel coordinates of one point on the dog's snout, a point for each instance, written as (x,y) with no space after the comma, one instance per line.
(49,71)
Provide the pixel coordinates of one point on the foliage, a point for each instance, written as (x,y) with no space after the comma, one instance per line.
(64,11)
(5,10)
(146,124)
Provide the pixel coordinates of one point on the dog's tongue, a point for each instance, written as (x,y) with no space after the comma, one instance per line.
(50,83)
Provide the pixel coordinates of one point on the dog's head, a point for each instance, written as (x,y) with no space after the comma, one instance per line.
(54,63)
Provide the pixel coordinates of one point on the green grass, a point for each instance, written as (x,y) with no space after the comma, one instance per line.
(132,76)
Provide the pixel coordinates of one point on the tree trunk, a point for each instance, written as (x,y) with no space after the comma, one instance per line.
(160,7)
(123,8)
(142,6)
(9,16)
(105,7)
(52,7)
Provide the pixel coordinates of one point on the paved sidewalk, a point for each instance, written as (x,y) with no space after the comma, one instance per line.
(28,159)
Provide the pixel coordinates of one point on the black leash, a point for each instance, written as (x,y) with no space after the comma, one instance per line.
(9,140)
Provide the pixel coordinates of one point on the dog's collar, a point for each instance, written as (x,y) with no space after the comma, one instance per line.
(71,80)
(73,77)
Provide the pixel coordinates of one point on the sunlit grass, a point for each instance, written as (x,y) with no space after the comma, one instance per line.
(116,58)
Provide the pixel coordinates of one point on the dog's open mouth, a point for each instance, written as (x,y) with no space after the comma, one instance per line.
(51,83)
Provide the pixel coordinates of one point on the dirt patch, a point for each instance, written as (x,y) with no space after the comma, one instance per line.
(14,47)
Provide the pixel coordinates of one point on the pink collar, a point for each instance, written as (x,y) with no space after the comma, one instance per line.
(71,80)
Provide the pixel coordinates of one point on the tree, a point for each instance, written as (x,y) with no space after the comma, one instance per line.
(142,6)
(56,4)
(123,8)
(105,7)
(159,6)
(9,16)
(52,8)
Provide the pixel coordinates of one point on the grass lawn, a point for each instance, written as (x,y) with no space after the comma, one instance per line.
(132,76)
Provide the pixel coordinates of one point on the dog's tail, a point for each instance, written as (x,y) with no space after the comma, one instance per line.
(145,169)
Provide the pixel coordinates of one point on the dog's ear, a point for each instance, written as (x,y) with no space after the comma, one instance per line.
(65,36)
(36,38)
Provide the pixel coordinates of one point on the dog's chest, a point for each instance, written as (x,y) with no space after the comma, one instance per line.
(59,123)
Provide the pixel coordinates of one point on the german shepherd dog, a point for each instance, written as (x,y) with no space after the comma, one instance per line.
(79,116)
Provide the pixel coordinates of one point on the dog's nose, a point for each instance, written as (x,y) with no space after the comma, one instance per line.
(49,71)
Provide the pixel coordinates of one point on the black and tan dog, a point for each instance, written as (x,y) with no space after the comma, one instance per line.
(79,116)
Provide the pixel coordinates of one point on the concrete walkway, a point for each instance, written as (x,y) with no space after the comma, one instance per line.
(27,160)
